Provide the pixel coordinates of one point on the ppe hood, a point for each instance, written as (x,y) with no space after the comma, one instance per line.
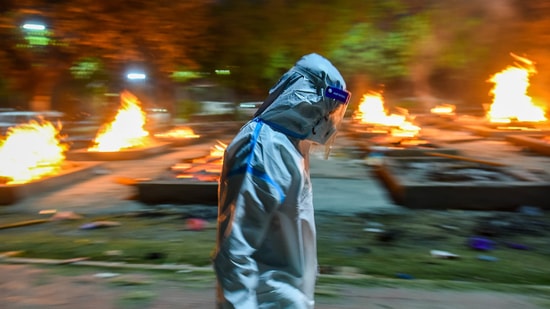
(298,104)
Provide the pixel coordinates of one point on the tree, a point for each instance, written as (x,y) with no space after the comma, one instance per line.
(161,36)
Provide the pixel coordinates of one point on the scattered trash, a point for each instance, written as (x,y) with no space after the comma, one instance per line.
(373,230)
(99,224)
(404,276)
(196,224)
(106,275)
(481,243)
(66,215)
(517,246)
(448,227)
(487,258)
(443,254)
(47,211)
(113,252)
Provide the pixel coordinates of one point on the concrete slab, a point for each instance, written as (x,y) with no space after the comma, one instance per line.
(177,191)
(438,183)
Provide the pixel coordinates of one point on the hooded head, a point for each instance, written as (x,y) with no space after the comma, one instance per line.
(308,102)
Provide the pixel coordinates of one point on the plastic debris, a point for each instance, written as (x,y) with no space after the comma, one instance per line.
(99,224)
(66,215)
(196,224)
(404,276)
(443,254)
(373,230)
(106,275)
(517,246)
(481,243)
(487,258)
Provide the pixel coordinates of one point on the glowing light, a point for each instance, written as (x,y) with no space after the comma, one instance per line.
(372,111)
(136,76)
(34,27)
(126,130)
(31,151)
(510,99)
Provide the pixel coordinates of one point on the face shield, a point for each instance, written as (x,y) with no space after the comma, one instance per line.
(323,132)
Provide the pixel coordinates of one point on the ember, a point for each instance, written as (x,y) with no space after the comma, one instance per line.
(444,109)
(126,130)
(202,169)
(31,151)
(176,133)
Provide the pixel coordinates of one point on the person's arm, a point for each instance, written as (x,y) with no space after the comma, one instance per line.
(248,217)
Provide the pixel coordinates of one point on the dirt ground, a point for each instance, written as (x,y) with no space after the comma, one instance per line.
(30,287)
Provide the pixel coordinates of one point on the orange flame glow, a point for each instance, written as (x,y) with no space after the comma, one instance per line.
(443,109)
(372,111)
(126,130)
(510,99)
(183,132)
(217,150)
(31,151)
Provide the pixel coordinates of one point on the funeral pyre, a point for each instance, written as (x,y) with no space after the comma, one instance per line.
(126,130)
(31,151)
(193,180)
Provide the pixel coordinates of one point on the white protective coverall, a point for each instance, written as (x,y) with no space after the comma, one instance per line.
(266,255)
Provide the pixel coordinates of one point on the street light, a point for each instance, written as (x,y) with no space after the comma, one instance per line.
(136,76)
(34,26)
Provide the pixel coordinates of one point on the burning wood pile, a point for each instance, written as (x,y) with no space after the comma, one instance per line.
(31,151)
(376,130)
(178,136)
(32,160)
(513,111)
(190,181)
(124,138)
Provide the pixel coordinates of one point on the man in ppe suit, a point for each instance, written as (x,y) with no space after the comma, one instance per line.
(266,255)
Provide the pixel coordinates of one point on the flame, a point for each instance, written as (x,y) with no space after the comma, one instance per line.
(217,150)
(443,109)
(372,111)
(31,151)
(126,130)
(207,168)
(183,132)
(510,99)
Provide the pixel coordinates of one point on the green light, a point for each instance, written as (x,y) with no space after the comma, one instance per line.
(222,72)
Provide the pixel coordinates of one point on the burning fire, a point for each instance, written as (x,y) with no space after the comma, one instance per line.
(207,168)
(217,150)
(183,132)
(443,109)
(511,102)
(372,111)
(31,151)
(126,130)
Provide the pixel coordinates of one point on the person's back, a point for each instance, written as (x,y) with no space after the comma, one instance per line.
(266,247)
